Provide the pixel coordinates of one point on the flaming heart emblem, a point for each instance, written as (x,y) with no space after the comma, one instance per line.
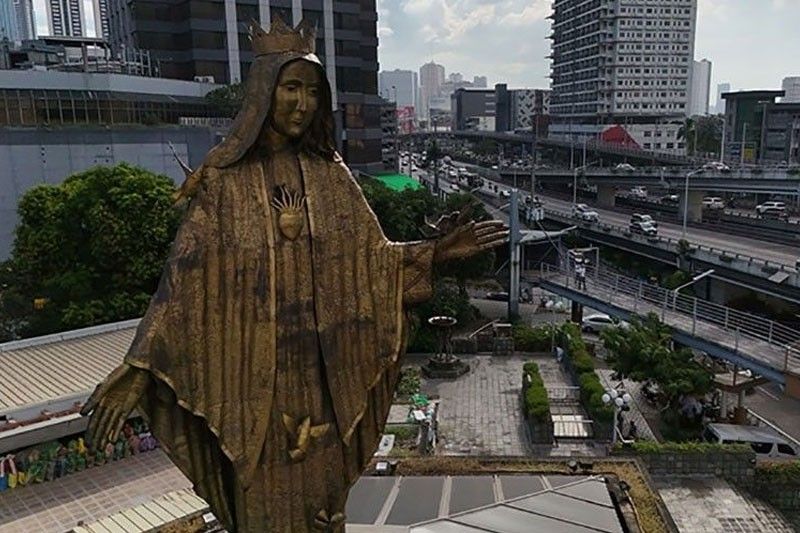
(290,208)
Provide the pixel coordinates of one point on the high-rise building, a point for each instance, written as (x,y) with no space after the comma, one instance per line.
(399,86)
(624,63)
(791,86)
(479,82)
(23,10)
(701,87)
(455,77)
(720,106)
(431,79)
(210,40)
(8,22)
(74,18)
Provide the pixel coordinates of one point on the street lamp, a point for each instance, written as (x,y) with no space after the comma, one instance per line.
(689,283)
(575,180)
(618,400)
(686,199)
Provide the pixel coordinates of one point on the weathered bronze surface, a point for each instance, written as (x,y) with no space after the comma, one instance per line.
(268,357)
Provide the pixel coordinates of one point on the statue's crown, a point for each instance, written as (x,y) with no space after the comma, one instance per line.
(282,38)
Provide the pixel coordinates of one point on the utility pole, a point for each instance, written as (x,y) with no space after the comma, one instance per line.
(722,143)
(514,238)
(744,144)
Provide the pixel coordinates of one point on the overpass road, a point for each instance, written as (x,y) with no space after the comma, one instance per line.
(777,253)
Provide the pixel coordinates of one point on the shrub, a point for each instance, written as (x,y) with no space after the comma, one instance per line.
(537,405)
(409,383)
(528,339)
(650,447)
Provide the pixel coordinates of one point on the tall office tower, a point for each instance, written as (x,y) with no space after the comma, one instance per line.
(720,106)
(399,86)
(209,40)
(701,88)
(622,64)
(431,78)
(792,87)
(75,18)
(8,22)
(479,81)
(23,11)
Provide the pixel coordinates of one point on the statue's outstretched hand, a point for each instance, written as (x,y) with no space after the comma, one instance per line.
(469,238)
(112,403)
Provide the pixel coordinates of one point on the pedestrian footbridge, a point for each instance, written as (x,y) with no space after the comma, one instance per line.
(764,346)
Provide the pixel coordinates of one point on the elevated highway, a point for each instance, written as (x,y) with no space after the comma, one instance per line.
(593,147)
(763,346)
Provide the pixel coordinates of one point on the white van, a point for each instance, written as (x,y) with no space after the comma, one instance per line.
(767,444)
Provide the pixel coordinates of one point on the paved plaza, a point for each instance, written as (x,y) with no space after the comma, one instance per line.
(711,505)
(85,497)
(480,413)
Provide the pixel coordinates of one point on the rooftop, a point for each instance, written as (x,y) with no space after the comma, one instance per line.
(42,371)
(398,182)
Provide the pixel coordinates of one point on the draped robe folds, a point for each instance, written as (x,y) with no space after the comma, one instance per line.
(208,338)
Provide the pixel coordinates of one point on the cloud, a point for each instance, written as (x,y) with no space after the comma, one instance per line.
(530,14)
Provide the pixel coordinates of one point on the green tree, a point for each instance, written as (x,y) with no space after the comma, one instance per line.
(227,99)
(87,251)
(644,352)
(702,134)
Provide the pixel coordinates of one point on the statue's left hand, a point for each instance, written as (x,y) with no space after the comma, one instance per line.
(469,239)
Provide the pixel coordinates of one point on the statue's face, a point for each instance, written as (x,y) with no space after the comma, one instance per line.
(296,99)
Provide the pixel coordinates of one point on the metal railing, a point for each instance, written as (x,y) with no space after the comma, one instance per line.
(688,313)
(604,226)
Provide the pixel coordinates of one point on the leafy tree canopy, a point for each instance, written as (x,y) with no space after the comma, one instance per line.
(227,99)
(643,352)
(87,251)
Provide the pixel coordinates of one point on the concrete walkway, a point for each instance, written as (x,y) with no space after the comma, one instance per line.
(480,412)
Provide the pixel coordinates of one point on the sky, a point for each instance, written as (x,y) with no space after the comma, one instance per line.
(753,44)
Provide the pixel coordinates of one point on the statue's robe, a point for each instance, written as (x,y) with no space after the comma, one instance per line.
(251,332)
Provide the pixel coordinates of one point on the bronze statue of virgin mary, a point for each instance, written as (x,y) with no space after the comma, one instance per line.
(267,359)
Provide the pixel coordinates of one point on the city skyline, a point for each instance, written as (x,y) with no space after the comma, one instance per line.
(456,34)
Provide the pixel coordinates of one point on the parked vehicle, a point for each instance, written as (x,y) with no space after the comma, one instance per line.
(645,228)
(713,202)
(598,322)
(627,167)
(772,208)
(766,443)
(637,217)
(499,296)
(585,213)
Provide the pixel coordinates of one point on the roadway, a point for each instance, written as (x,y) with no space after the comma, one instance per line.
(778,253)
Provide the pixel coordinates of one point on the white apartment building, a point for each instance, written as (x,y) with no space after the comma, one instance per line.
(622,62)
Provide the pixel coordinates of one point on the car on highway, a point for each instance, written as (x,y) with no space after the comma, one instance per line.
(598,322)
(627,167)
(640,193)
(717,166)
(669,199)
(645,228)
(585,213)
(771,208)
(499,296)
(713,202)
(505,193)
(638,217)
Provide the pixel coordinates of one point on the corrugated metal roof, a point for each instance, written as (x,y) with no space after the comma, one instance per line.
(43,369)
(150,516)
